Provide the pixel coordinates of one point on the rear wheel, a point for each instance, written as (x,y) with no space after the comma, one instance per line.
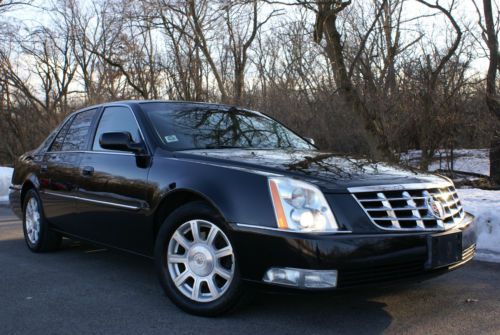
(37,234)
(196,261)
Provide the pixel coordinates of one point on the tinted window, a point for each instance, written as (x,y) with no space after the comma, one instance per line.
(117,119)
(78,133)
(184,127)
(45,144)
(58,142)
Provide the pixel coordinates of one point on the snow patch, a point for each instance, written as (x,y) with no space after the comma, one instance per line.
(466,160)
(5,180)
(485,206)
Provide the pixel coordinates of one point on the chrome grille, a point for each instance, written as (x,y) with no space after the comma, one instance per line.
(410,207)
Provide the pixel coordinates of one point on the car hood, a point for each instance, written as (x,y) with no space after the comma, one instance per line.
(331,172)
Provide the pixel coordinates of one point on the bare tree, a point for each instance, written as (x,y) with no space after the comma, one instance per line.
(185,68)
(203,18)
(127,45)
(200,21)
(241,36)
(490,36)
(41,93)
(327,15)
(434,69)
(6,5)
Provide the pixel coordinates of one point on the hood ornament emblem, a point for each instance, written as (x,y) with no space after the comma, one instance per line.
(435,208)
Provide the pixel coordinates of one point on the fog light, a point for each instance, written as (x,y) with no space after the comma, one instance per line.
(302,278)
(284,276)
(320,279)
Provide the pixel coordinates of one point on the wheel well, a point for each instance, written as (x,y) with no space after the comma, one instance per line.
(172,202)
(28,185)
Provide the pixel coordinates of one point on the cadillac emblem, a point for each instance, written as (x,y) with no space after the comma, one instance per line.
(435,208)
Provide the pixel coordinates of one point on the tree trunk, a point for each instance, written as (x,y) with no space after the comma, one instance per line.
(373,124)
(492,99)
(495,158)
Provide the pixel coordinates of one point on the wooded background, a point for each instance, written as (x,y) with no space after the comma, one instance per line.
(372,77)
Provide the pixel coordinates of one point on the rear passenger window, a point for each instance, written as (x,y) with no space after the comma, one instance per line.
(78,133)
(116,119)
(58,142)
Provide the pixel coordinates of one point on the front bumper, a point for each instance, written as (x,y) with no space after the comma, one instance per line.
(360,259)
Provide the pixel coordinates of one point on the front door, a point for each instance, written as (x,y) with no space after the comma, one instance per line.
(112,193)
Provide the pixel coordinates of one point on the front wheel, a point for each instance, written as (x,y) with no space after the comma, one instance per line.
(196,261)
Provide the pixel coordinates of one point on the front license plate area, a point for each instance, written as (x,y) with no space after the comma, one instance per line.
(445,249)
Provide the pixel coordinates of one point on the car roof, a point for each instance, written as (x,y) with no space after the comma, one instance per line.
(139,101)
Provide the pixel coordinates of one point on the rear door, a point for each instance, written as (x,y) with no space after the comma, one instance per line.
(59,170)
(112,193)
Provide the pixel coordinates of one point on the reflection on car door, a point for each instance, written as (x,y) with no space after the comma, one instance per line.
(59,171)
(112,194)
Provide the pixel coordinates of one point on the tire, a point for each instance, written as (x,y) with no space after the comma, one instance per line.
(37,234)
(207,263)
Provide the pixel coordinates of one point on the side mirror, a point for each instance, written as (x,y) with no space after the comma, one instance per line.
(310,140)
(121,141)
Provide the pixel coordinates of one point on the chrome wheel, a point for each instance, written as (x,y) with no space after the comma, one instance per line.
(200,260)
(32,221)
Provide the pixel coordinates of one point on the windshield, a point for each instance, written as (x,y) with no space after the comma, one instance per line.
(186,127)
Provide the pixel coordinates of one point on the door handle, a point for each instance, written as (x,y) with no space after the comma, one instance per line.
(44,168)
(87,171)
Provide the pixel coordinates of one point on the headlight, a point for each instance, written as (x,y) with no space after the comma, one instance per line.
(300,206)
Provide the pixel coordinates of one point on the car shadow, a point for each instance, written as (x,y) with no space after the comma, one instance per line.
(331,311)
(95,277)
(338,313)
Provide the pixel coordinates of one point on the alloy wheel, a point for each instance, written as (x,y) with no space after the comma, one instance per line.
(200,260)
(32,221)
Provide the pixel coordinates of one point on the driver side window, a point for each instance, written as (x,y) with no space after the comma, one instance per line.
(116,119)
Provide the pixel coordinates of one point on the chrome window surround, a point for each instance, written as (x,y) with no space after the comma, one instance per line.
(121,153)
(405,207)
(136,122)
(113,152)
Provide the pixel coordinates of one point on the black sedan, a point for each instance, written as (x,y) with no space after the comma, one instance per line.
(223,197)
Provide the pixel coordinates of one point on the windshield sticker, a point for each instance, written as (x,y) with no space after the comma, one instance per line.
(171,138)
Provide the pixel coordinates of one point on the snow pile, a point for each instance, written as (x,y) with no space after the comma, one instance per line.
(485,205)
(466,160)
(5,178)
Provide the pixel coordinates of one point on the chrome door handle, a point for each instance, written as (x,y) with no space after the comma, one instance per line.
(87,171)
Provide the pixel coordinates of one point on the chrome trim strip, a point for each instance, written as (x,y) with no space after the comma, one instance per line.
(107,203)
(92,152)
(399,187)
(110,153)
(293,231)
(393,217)
(15,187)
